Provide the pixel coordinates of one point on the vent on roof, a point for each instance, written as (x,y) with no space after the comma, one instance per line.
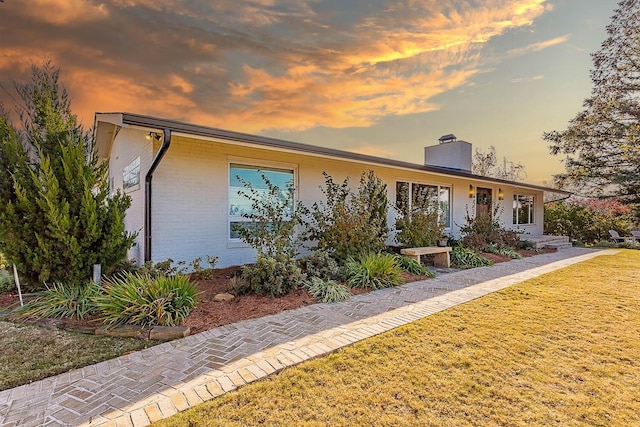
(447,138)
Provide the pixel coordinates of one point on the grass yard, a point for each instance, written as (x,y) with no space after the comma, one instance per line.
(562,349)
(30,353)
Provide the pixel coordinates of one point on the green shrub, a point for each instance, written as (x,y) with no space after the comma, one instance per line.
(412,266)
(421,225)
(273,276)
(320,264)
(375,271)
(350,224)
(505,251)
(587,220)
(162,268)
(62,301)
(327,291)
(463,257)
(58,215)
(201,273)
(143,300)
(484,230)
(510,252)
(526,245)
(7,283)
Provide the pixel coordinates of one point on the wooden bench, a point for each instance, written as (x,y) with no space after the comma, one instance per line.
(441,258)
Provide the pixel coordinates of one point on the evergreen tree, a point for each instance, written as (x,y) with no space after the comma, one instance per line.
(602,143)
(57,218)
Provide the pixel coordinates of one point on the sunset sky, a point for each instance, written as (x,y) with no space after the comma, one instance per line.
(379,77)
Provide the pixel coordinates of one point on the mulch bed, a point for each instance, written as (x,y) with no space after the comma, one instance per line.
(209,313)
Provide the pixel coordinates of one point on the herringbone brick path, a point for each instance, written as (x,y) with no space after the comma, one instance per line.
(157,382)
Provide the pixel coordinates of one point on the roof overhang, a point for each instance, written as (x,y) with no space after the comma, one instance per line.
(107,125)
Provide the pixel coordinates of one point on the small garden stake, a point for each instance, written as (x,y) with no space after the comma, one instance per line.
(15,276)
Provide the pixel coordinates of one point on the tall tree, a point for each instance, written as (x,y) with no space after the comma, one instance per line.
(57,217)
(487,164)
(602,142)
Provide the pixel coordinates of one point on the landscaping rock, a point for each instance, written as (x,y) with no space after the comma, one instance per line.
(223,297)
(169,332)
(125,331)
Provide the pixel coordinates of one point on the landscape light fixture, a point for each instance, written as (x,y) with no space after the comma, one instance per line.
(472,191)
(153,135)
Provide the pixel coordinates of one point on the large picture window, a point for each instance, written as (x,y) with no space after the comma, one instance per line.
(239,204)
(523,209)
(436,195)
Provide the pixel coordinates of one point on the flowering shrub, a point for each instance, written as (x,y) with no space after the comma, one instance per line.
(587,220)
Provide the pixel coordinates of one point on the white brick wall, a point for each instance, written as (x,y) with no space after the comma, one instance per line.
(129,144)
(190,192)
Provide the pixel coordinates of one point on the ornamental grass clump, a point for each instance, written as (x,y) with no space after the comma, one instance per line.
(62,301)
(142,300)
(375,271)
(327,291)
(412,266)
(463,257)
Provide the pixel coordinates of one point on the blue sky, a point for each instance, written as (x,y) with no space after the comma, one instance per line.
(378,77)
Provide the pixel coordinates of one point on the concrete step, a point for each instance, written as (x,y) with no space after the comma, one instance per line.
(540,242)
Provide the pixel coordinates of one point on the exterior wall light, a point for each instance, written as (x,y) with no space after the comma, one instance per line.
(472,191)
(500,194)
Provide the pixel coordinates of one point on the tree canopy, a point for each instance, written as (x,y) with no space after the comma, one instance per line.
(602,142)
(57,216)
(487,164)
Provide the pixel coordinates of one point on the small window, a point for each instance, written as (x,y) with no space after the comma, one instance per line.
(523,213)
(131,174)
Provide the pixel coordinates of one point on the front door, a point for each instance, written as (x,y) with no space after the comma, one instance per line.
(483,201)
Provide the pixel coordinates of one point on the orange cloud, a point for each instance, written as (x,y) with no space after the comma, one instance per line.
(261,64)
(62,11)
(536,47)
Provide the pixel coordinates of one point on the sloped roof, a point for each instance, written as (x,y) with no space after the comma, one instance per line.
(159,124)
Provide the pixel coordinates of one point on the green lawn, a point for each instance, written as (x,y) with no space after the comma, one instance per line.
(30,353)
(561,349)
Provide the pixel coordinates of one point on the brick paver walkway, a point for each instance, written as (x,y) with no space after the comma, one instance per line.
(157,382)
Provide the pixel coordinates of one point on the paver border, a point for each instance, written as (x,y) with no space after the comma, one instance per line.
(74,390)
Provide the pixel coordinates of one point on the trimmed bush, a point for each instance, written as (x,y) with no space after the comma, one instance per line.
(463,257)
(375,271)
(142,300)
(62,301)
(274,276)
(412,266)
(320,265)
(327,291)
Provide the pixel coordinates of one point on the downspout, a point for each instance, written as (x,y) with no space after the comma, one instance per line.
(166,142)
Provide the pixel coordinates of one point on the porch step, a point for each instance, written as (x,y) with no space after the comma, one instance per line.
(547,241)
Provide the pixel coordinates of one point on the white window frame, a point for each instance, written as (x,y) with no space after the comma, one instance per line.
(257,164)
(515,217)
(439,187)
